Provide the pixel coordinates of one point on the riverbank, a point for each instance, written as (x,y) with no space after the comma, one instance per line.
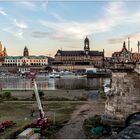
(56,94)
(71,114)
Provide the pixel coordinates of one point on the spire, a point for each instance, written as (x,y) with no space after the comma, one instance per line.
(138,47)
(128,44)
(86,44)
(4,52)
(124,44)
(0,48)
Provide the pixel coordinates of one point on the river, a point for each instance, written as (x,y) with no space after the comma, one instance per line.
(45,83)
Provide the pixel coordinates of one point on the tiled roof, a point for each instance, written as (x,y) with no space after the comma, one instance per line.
(29,57)
(79,53)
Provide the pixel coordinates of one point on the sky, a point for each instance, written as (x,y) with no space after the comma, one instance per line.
(45,26)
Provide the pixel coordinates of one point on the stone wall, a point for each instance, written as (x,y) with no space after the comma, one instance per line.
(124,98)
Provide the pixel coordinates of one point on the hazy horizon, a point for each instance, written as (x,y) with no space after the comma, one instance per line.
(46,26)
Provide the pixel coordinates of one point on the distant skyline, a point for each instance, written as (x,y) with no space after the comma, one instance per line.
(46,26)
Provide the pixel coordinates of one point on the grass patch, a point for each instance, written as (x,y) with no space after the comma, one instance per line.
(19,112)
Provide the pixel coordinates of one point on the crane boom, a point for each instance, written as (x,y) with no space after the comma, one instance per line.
(42,114)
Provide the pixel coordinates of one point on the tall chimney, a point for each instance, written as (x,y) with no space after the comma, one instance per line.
(128,44)
(138,47)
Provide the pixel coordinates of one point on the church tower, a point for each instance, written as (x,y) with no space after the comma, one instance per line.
(25,52)
(4,52)
(86,45)
(1,53)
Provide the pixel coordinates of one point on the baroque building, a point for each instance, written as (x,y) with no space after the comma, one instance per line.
(79,60)
(25,60)
(2,52)
(122,56)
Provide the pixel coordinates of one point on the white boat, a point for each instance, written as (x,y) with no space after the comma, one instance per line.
(54,75)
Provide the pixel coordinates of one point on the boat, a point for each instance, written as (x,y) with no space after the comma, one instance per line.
(95,73)
(54,75)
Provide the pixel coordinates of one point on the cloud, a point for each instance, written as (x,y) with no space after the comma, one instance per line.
(113,16)
(17,28)
(29,4)
(40,34)
(45,4)
(133,37)
(57,17)
(21,25)
(16,32)
(34,4)
(2,12)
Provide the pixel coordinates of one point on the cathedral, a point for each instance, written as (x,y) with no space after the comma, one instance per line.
(2,52)
(78,60)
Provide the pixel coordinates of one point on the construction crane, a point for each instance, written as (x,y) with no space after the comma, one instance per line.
(42,114)
(43,120)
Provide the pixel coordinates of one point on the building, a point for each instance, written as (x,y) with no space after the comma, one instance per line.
(25,52)
(25,61)
(78,60)
(2,52)
(122,56)
(135,57)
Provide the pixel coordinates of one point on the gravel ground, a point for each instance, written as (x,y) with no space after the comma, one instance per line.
(73,129)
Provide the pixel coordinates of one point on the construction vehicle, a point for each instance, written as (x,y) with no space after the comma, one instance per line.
(38,124)
(7,123)
(42,121)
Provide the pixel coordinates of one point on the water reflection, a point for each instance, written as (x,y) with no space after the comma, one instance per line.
(52,84)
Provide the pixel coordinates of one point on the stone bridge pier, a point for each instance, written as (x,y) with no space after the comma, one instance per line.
(123,99)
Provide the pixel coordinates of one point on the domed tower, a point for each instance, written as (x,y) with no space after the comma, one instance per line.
(4,52)
(1,53)
(25,52)
(86,45)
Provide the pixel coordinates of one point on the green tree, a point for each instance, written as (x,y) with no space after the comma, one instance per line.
(6,95)
(41,94)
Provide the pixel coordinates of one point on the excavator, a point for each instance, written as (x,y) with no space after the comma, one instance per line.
(42,121)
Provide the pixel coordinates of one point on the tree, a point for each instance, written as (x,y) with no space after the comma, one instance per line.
(41,94)
(6,95)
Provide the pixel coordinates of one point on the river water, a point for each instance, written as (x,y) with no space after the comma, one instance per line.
(45,83)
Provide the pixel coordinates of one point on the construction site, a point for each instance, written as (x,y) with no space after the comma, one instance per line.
(28,115)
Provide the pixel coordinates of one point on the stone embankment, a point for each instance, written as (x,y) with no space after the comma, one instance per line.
(124,98)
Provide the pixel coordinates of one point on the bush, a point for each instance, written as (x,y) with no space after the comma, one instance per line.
(103,95)
(94,122)
(41,94)
(6,95)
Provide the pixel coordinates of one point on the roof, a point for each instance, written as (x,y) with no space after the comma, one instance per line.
(79,53)
(29,57)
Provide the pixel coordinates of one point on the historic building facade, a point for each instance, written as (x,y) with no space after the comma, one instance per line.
(74,60)
(122,56)
(126,56)
(2,52)
(25,60)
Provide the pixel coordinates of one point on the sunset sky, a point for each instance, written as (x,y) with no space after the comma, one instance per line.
(46,26)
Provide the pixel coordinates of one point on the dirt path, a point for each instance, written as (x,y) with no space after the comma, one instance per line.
(73,129)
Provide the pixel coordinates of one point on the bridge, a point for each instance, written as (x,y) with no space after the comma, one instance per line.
(124,97)
(137,69)
(123,67)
